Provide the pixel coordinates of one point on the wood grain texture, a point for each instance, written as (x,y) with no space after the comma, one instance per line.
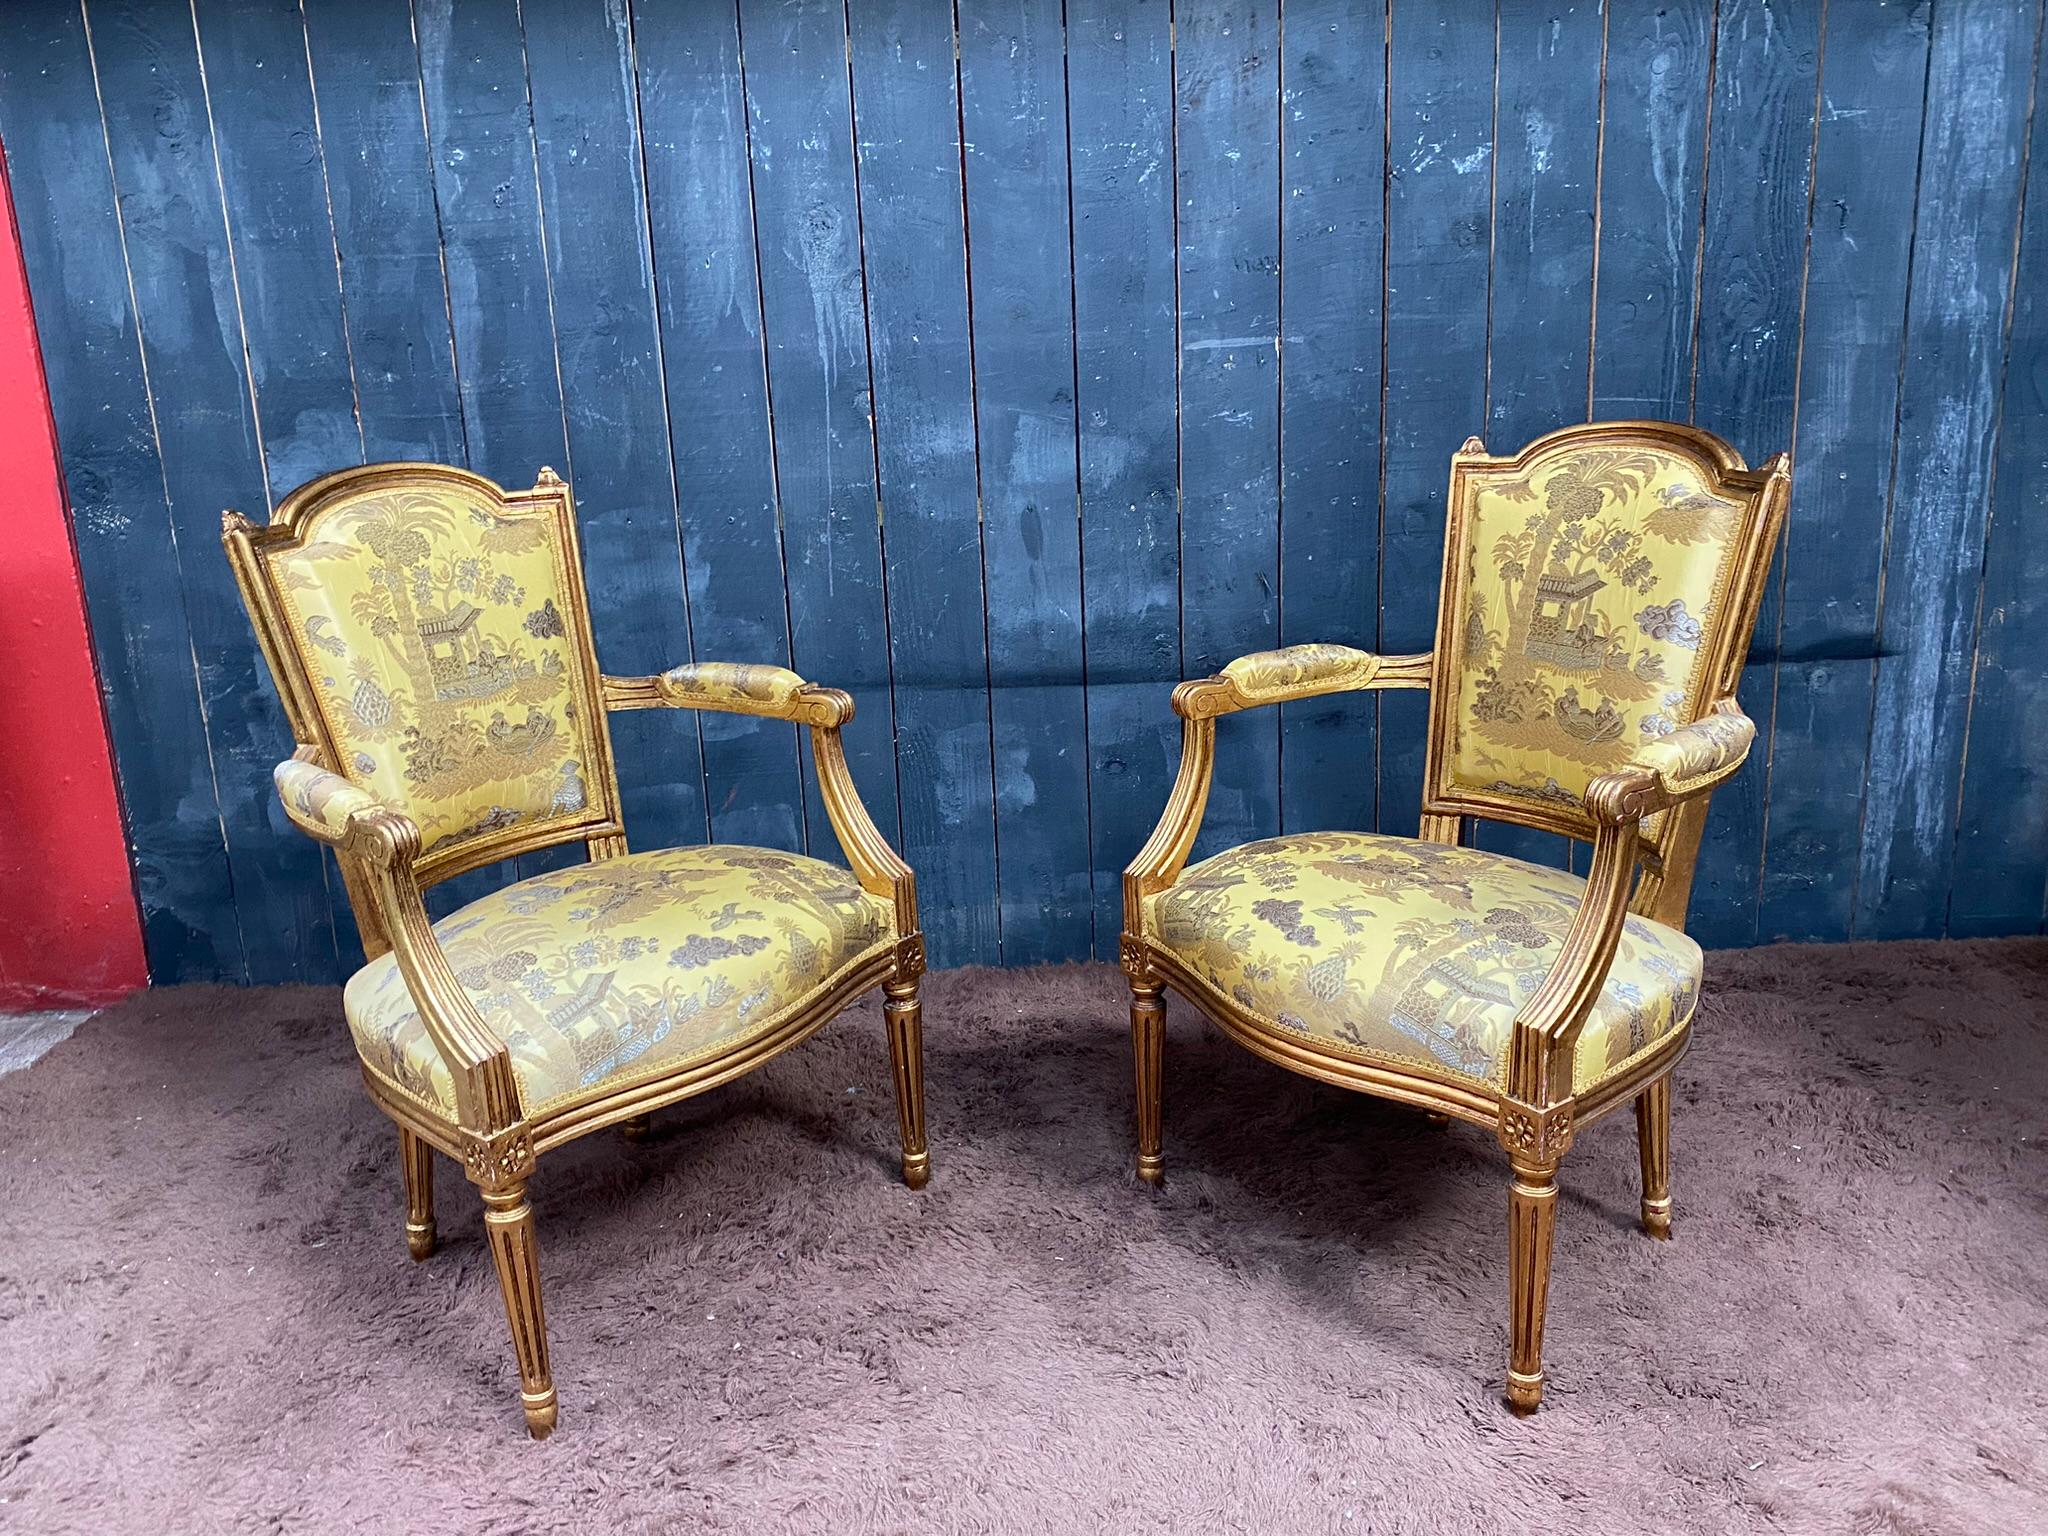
(277,293)
(1013,123)
(814,299)
(127,551)
(1866,178)
(914,242)
(700,208)
(1746,369)
(1121,156)
(1227,178)
(1546,173)
(1006,384)
(479,125)
(586,134)
(1977,104)
(1439,223)
(1653,167)
(1998,885)
(1333,205)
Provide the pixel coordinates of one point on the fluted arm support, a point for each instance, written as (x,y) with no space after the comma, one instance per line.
(776,693)
(1250,682)
(377,847)
(1688,763)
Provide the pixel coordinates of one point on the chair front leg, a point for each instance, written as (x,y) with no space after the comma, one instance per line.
(1532,1218)
(1653,1141)
(416,1163)
(903,1014)
(508,1223)
(1148,1051)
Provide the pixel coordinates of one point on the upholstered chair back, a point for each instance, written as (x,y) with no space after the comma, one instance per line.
(430,636)
(1599,591)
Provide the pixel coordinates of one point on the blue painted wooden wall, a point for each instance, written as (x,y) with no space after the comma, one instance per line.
(1006,362)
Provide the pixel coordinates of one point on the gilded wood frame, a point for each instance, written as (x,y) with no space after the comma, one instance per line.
(378,848)
(1644,822)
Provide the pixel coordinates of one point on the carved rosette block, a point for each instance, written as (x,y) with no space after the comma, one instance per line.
(1133,956)
(1535,1135)
(910,961)
(496,1162)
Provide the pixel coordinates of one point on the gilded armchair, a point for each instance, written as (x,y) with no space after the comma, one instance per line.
(430,637)
(1599,590)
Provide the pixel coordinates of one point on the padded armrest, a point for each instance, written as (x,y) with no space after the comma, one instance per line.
(734,688)
(1696,757)
(1296,672)
(320,804)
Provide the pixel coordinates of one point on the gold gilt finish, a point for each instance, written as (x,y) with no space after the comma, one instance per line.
(468,605)
(1599,591)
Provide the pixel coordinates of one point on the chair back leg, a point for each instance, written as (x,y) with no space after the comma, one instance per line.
(1148,1049)
(1653,1141)
(903,1014)
(416,1164)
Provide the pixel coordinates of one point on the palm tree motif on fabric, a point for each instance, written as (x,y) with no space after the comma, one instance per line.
(1586,615)
(456,685)
(586,970)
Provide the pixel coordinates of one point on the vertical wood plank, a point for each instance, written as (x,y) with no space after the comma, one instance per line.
(479,127)
(1013,106)
(1539,339)
(367,100)
(906,108)
(1332,284)
(269,238)
(586,131)
(1767,63)
(806,207)
(1866,170)
(2002,836)
(128,551)
(1976,121)
(700,204)
(1121,157)
(193,298)
(380,179)
(1653,139)
(487,196)
(1439,215)
(1227,175)
(273,180)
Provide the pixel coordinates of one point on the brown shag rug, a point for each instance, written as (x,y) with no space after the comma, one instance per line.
(208,1321)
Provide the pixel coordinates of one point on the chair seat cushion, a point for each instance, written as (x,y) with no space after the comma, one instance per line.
(610,972)
(1405,952)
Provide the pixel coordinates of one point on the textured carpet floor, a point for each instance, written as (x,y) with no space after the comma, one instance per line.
(208,1320)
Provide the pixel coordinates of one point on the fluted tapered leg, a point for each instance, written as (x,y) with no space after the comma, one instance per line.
(416,1162)
(639,1128)
(1653,1141)
(1148,1049)
(1532,1216)
(508,1223)
(903,1013)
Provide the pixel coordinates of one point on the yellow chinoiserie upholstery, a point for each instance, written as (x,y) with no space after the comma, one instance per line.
(1600,588)
(1412,953)
(430,636)
(441,655)
(605,972)
(1595,576)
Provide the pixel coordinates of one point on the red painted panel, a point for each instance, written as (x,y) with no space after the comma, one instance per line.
(70,932)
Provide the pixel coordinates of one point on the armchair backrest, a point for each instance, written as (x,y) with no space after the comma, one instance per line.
(430,637)
(1599,591)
